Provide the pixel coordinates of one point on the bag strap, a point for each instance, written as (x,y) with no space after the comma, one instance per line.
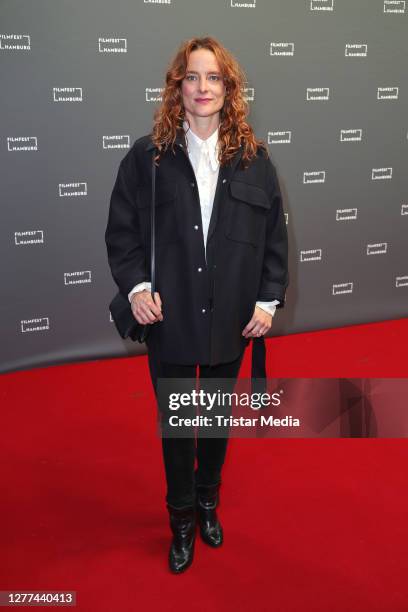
(152,227)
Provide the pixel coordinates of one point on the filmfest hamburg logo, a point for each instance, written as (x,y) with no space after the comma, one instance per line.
(32,325)
(237,4)
(153,94)
(401,281)
(112,45)
(379,248)
(282,48)
(72,189)
(280,137)
(321,5)
(346,214)
(67,94)
(310,255)
(394,6)
(249,93)
(316,176)
(381,174)
(355,50)
(77,278)
(22,143)
(29,237)
(317,93)
(387,93)
(341,288)
(15,42)
(350,135)
(116,142)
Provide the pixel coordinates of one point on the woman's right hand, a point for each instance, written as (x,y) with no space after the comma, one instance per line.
(144,309)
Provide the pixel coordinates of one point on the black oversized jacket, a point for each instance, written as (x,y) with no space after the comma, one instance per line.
(205,303)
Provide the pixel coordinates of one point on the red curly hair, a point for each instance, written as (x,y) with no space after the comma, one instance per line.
(233,128)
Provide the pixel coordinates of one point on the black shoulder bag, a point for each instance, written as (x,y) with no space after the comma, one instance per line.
(120,307)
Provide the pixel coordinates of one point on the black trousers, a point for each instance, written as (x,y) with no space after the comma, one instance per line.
(179,454)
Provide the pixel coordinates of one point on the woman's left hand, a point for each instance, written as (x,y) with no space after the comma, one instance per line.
(260,323)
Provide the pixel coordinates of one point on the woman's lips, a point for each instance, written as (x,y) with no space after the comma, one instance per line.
(203,100)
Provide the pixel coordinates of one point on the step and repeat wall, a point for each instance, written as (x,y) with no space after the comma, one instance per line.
(327,88)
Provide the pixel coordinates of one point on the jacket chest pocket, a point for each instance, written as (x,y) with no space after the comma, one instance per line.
(166,226)
(246,220)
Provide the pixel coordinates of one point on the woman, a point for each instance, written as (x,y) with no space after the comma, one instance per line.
(221,258)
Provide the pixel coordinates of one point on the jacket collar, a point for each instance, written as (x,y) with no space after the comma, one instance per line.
(180,140)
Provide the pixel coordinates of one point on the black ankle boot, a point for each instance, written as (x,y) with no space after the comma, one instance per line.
(207,502)
(183,526)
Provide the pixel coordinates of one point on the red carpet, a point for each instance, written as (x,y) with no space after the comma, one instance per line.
(310,525)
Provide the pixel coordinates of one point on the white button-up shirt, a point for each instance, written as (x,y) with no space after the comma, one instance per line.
(203,157)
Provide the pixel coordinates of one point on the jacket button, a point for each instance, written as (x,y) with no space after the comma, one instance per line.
(192,184)
(224,180)
(196,227)
(203,310)
(199,269)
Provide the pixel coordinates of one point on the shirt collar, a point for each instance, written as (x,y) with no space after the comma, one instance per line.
(194,144)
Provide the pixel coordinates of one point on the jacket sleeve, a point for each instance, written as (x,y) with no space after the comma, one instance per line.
(275,275)
(123,235)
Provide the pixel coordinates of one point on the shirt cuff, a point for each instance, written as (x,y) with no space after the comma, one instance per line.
(269,307)
(139,287)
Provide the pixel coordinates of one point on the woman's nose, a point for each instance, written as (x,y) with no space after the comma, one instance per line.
(203,84)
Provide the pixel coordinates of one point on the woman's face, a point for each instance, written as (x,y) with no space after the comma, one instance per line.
(203,88)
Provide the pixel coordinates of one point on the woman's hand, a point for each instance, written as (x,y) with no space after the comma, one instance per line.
(260,323)
(144,309)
